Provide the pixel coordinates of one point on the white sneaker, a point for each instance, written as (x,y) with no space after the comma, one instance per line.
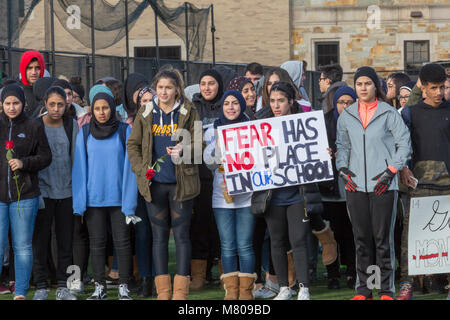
(275,287)
(303,293)
(264,293)
(285,294)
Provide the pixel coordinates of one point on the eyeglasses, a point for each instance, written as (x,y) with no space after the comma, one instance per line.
(403,97)
(347,103)
(320,79)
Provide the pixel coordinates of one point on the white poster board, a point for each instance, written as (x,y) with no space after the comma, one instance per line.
(429,235)
(275,152)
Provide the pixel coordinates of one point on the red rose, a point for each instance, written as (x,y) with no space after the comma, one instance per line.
(150,174)
(9,144)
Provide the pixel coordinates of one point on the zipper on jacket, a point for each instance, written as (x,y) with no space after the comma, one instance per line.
(365,163)
(9,168)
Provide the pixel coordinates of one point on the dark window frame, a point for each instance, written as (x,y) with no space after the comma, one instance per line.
(316,51)
(415,65)
(165,52)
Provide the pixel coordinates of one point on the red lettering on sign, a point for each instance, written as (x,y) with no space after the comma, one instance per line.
(239,161)
(265,131)
(241,136)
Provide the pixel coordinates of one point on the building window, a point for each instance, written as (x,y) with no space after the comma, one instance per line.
(169,52)
(416,53)
(326,53)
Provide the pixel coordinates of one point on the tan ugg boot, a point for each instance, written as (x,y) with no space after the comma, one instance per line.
(180,287)
(163,287)
(246,286)
(231,285)
(198,274)
(292,275)
(329,245)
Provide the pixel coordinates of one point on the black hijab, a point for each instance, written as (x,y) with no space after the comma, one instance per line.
(134,82)
(216,75)
(105,130)
(222,121)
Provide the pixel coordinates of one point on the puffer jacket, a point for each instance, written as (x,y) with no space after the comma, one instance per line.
(31,147)
(368,152)
(140,146)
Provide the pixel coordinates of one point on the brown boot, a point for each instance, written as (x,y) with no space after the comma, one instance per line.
(198,274)
(163,287)
(292,275)
(329,245)
(246,286)
(180,287)
(231,285)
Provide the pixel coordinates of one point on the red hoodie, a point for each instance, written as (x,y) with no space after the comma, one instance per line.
(25,61)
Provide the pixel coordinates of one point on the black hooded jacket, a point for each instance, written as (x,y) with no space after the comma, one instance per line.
(134,82)
(31,147)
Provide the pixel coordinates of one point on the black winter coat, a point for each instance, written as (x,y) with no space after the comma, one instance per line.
(31,147)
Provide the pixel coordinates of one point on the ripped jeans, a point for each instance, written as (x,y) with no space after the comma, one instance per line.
(165,213)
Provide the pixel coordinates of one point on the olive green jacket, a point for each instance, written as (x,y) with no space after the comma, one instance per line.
(140,147)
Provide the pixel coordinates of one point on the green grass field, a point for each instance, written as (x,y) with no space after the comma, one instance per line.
(318,289)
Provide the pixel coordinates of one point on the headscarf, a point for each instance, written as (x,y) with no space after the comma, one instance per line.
(216,75)
(222,121)
(41,86)
(135,81)
(345,90)
(142,92)
(105,130)
(238,83)
(16,91)
(97,89)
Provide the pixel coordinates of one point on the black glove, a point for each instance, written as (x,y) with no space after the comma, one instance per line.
(384,181)
(347,175)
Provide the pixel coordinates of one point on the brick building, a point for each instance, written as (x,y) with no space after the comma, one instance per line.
(386,34)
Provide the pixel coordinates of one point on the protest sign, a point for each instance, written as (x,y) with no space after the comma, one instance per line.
(429,235)
(275,152)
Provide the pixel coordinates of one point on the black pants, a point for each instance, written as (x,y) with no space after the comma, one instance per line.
(373,219)
(61,212)
(96,221)
(336,213)
(288,225)
(80,244)
(258,241)
(203,232)
(164,213)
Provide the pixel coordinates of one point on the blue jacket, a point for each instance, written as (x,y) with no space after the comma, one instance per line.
(368,152)
(103,178)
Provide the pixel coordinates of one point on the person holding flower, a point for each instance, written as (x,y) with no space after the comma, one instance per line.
(161,148)
(24,153)
(104,188)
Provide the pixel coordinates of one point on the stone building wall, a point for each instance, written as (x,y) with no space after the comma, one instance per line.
(378,45)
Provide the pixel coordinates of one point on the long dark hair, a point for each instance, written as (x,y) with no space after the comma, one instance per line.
(284,77)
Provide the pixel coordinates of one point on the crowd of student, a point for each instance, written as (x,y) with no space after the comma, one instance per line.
(113,174)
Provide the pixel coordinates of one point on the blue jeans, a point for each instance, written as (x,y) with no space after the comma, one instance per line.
(236,239)
(22,237)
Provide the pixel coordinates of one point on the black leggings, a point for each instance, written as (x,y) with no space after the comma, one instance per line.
(61,212)
(164,212)
(96,221)
(288,225)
